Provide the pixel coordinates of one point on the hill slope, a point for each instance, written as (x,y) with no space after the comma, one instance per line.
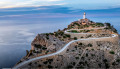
(92,45)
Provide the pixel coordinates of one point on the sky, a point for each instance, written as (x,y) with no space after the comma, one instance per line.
(74,4)
(19,8)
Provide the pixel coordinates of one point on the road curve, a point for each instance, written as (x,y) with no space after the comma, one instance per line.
(58,52)
(66,31)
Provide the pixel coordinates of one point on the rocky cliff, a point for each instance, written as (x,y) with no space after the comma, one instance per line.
(42,40)
(102,52)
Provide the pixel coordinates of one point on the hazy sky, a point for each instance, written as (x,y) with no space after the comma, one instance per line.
(74,4)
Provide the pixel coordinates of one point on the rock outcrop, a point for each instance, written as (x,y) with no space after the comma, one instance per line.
(42,40)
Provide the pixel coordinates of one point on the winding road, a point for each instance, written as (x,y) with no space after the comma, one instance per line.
(58,52)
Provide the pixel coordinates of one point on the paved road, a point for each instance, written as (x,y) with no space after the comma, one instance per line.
(58,52)
(66,31)
(89,28)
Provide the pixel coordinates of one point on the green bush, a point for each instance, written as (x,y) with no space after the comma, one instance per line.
(47,37)
(44,48)
(80,43)
(117,60)
(38,46)
(90,45)
(56,34)
(69,66)
(112,52)
(105,60)
(45,62)
(74,31)
(86,55)
(49,66)
(64,36)
(61,33)
(47,34)
(51,33)
(76,24)
(92,49)
(99,24)
(75,38)
(82,37)
(77,57)
(67,35)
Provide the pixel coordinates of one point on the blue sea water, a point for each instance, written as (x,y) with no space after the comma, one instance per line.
(17,32)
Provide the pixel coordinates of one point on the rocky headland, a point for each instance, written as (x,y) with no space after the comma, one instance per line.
(88,45)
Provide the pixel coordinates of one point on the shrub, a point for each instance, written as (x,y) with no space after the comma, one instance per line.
(74,31)
(38,46)
(90,45)
(46,52)
(73,50)
(39,65)
(107,65)
(99,65)
(51,34)
(92,49)
(56,34)
(45,62)
(67,35)
(61,33)
(67,49)
(76,24)
(113,63)
(47,34)
(82,37)
(49,66)
(80,43)
(47,37)
(108,24)
(86,55)
(112,52)
(50,60)
(74,63)
(30,64)
(89,36)
(117,60)
(69,66)
(44,48)
(105,60)
(75,38)
(77,57)
(76,47)
(99,24)
(64,36)
(87,30)
(92,54)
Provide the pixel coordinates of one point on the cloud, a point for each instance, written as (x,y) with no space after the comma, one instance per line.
(25,33)
(73,4)
(11,16)
(28,3)
(91,4)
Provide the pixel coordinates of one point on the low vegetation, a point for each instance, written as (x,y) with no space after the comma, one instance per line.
(112,52)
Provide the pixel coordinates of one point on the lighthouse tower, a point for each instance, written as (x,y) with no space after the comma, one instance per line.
(84,15)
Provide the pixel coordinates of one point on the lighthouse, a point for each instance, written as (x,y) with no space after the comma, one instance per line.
(84,15)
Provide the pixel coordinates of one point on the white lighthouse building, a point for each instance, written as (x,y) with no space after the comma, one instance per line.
(84,15)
